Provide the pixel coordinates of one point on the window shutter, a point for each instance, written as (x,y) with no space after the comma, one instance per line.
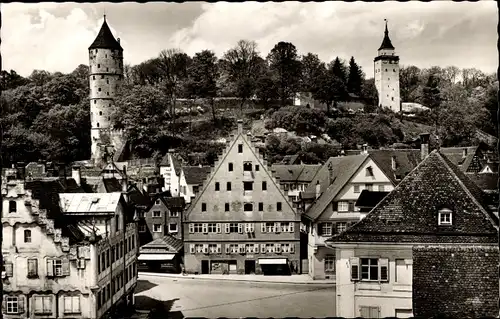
(226,226)
(228,248)
(256,248)
(205,228)
(9,269)
(277,248)
(354,261)
(4,304)
(291,227)
(335,206)
(351,206)
(277,227)
(262,227)
(219,228)
(191,248)
(20,304)
(50,268)
(65,267)
(246,228)
(240,228)
(219,248)
(262,248)
(252,227)
(191,228)
(384,269)
(364,312)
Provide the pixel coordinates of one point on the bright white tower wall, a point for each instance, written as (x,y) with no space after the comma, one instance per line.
(386,71)
(106,73)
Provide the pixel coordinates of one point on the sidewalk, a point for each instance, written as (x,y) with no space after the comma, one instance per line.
(293,279)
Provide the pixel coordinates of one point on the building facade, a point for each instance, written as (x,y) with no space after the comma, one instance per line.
(55,266)
(419,246)
(163,217)
(386,71)
(106,73)
(295,178)
(337,188)
(241,221)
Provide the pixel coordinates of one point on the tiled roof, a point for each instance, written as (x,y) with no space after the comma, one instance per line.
(370,199)
(175,203)
(109,185)
(485,181)
(290,159)
(409,212)
(296,173)
(343,169)
(386,43)
(136,197)
(406,161)
(195,174)
(89,203)
(175,161)
(455,282)
(167,242)
(105,39)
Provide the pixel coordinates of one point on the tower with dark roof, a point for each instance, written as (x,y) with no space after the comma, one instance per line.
(386,73)
(106,73)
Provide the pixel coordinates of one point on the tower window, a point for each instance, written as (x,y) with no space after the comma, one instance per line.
(107,69)
(102,76)
(98,65)
(100,113)
(106,55)
(97,124)
(230,167)
(107,81)
(93,77)
(217,187)
(107,93)
(392,98)
(394,70)
(385,70)
(109,118)
(99,89)
(95,101)
(12,206)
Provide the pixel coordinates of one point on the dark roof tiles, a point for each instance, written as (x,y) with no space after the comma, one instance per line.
(105,39)
(195,175)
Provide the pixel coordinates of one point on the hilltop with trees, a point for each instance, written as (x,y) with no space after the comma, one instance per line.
(175,100)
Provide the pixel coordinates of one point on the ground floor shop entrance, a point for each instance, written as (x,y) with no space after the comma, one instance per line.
(205,269)
(249,267)
(275,266)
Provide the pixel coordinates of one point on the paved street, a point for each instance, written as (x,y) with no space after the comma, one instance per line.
(204,298)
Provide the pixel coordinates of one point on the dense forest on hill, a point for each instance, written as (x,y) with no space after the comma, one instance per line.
(175,100)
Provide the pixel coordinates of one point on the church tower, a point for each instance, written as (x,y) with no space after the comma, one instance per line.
(106,73)
(386,71)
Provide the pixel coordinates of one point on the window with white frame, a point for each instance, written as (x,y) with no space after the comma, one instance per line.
(141,214)
(269,248)
(57,267)
(325,229)
(212,227)
(156,228)
(71,304)
(174,213)
(356,188)
(212,248)
(156,213)
(42,304)
(198,248)
(250,248)
(369,171)
(329,263)
(369,269)
(270,227)
(381,188)
(445,217)
(341,227)
(12,304)
(197,227)
(343,206)
(27,236)
(233,248)
(285,248)
(369,187)
(285,227)
(142,228)
(172,228)
(233,227)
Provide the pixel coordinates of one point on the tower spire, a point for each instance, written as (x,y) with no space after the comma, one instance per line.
(386,33)
(386,43)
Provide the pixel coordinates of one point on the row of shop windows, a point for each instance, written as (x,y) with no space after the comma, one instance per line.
(40,305)
(216,228)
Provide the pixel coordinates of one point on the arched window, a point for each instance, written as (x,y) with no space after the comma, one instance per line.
(12,206)
(97,124)
(27,236)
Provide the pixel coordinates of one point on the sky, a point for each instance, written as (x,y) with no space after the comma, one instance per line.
(56,36)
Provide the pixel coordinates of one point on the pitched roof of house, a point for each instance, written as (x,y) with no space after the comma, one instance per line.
(195,175)
(370,199)
(137,197)
(343,169)
(167,242)
(469,274)
(89,203)
(492,165)
(409,212)
(290,159)
(175,161)
(109,185)
(105,39)
(175,203)
(485,181)
(296,173)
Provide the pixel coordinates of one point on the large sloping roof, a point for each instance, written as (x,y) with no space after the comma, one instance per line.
(370,199)
(296,173)
(343,169)
(89,203)
(485,181)
(171,159)
(167,242)
(105,39)
(409,212)
(386,42)
(195,174)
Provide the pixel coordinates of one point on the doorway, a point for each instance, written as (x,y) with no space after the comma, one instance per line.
(249,267)
(205,267)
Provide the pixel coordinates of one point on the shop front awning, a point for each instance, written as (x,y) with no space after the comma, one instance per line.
(156,257)
(272,261)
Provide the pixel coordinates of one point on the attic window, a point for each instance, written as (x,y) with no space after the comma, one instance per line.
(369,171)
(445,217)
(393,163)
(240,148)
(464,154)
(247,166)
(230,167)
(248,207)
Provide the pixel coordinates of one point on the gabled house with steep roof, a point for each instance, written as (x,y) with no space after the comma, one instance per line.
(295,178)
(170,170)
(162,216)
(190,180)
(428,248)
(336,189)
(241,221)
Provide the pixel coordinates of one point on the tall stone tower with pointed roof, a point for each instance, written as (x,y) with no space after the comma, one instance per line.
(386,71)
(106,73)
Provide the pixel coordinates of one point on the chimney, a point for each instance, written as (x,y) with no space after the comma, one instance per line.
(424,145)
(365,149)
(240,126)
(76,175)
(318,189)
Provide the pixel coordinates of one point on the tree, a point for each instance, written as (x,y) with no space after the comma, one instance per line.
(432,97)
(174,66)
(370,95)
(409,79)
(355,78)
(286,67)
(332,85)
(312,69)
(40,77)
(242,65)
(203,74)
(12,80)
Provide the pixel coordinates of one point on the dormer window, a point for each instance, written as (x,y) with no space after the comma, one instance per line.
(393,163)
(464,154)
(369,171)
(445,217)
